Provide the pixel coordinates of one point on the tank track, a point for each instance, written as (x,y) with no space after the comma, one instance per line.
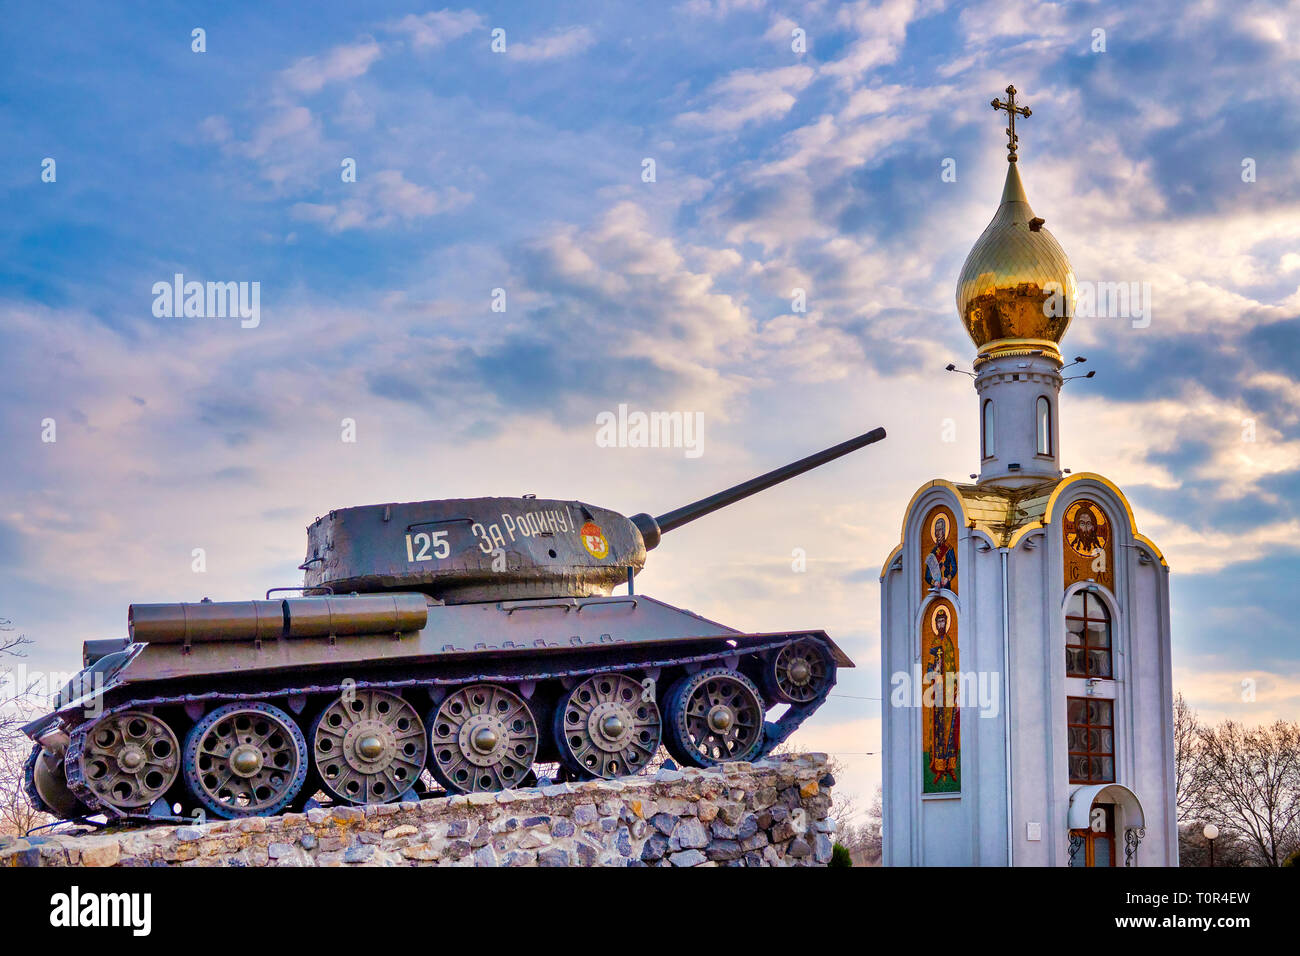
(774,733)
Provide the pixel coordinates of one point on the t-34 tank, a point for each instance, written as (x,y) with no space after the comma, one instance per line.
(473,637)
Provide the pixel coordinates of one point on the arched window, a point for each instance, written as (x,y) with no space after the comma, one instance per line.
(1044,425)
(987,424)
(1087,636)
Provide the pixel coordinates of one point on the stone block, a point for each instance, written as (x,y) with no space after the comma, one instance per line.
(420,851)
(823,848)
(359,853)
(553,856)
(687,858)
(655,847)
(689,834)
(724,850)
(665,823)
(104,854)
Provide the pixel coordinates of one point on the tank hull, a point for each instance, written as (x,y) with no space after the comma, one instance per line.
(537,650)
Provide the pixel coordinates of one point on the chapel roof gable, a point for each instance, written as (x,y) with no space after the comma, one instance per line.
(1001,511)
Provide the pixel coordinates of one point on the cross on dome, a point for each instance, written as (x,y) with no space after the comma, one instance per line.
(1012,109)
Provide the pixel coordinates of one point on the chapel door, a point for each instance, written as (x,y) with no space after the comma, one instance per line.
(1098,847)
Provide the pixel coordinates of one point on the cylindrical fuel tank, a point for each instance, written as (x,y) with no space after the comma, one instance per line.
(205,621)
(208,622)
(358,614)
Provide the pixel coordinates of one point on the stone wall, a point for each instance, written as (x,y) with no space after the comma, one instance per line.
(769,813)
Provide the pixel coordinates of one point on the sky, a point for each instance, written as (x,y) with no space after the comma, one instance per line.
(792,146)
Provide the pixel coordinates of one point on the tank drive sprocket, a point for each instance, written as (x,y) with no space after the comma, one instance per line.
(125,761)
(245,759)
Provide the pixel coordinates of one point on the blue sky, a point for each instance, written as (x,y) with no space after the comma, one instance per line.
(522,170)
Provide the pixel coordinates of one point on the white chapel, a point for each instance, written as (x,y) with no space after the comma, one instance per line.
(1025,639)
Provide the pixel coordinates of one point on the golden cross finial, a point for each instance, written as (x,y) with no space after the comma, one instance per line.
(1012,109)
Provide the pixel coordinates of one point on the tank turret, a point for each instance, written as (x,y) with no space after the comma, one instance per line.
(463,550)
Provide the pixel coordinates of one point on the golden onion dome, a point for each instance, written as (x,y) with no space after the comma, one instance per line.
(1016,291)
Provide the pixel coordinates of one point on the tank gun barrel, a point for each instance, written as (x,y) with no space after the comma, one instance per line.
(652,528)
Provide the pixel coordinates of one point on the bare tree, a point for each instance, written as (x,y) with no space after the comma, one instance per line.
(869,847)
(17,815)
(1248,780)
(1230,850)
(844,806)
(1187,776)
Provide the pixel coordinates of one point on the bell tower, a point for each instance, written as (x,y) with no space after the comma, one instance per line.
(1015,296)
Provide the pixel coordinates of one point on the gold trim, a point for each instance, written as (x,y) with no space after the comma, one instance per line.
(1137,536)
(1035,525)
(1038,524)
(902,532)
(1004,348)
(884,568)
(1114,489)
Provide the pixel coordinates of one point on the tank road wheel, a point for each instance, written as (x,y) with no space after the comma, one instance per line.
(245,759)
(605,728)
(369,747)
(484,737)
(800,672)
(714,716)
(129,760)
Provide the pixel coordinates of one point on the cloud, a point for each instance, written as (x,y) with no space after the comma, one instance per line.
(749,96)
(382,199)
(557,45)
(286,123)
(431,30)
(1246,694)
(880,29)
(345,62)
(718,9)
(663,328)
